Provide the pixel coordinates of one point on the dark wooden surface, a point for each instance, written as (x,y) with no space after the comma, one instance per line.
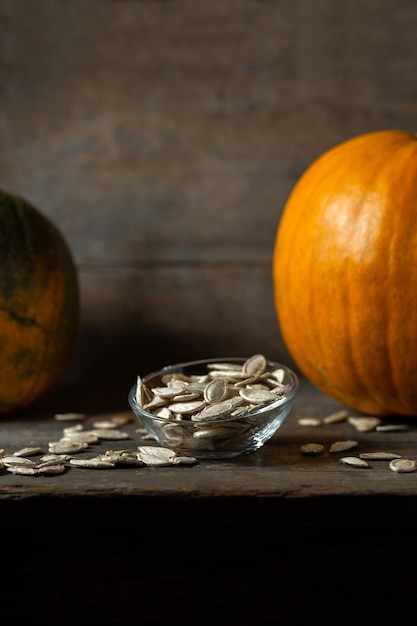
(273,487)
(163,137)
(270,538)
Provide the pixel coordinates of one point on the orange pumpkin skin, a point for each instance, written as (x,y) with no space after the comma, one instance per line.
(39,304)
(345,273)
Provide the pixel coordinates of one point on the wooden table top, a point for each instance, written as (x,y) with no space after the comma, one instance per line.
(276,486)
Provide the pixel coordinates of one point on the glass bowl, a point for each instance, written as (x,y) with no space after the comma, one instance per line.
(184,409)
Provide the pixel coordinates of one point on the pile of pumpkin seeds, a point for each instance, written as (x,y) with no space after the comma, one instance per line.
(61,453)
(224,390)
(396,463)
(216,408)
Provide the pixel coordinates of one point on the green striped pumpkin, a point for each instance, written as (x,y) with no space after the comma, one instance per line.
(39,304)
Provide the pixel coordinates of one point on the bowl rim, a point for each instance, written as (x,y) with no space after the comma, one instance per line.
(285,399)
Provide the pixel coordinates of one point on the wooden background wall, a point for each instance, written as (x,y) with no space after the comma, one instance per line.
(163,138)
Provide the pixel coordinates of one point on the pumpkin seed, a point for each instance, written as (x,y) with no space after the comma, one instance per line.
(17,460)
(167,392)
(77,428)
(95,463)
(51,468)
(341,446)
(107,424)
(65,446)
(232,375)
(183,460)
(24,470)
(403,465)
(161,456)
(379,456)
(278,375)
(54,458)
(187,408)
(83,436)
(391,428)
(122,457)
(69,417)
(354,461)
(364,424)
(310,421)
(121,420)
(336,417)
(258,396)
(312,448)
(154,455)
(110,434)
(140,396)
(215,391)
(255,365)
(28,451)
(214,411)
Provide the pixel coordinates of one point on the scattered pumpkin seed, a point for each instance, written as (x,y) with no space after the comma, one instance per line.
(155,455)
(312,448)
(17,460)
(51,468)
(110,434)
(162,457)
(107,424)
(77,428)
(310,421)
(66,446)
(364,424)
(121,419)
(22,469)
(336,417)
(95,463)
(28,451)
(403,465)
(54,458)
(122,457)
(81,436)
(391,428)
(379,456)
(69,417)
(341,446)
(354,461)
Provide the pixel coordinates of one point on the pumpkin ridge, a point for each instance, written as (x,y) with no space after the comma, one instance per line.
(39,304)
(21,319)
(345,273)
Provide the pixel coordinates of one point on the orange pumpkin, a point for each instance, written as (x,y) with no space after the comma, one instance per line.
(345,273)
(38,304)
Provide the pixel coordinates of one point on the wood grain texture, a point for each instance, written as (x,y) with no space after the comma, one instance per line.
(277,486)
(165,136)
(273,537)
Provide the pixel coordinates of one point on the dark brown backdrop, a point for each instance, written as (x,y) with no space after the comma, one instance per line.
(163,138)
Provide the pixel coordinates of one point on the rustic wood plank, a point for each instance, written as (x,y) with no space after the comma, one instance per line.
(167,136)
(175,130)
(276,485)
